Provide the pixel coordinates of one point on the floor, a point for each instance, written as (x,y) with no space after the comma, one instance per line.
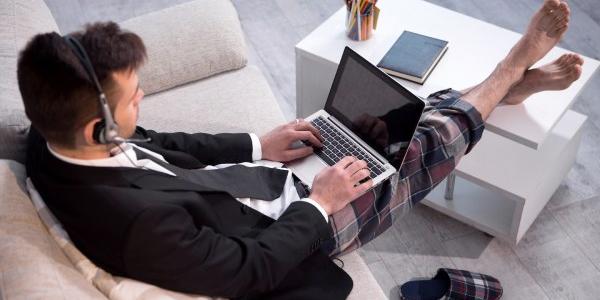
(559,257)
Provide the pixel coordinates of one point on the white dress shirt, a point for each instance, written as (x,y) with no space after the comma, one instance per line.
(128,158)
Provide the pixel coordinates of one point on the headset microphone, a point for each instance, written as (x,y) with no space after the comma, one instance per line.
(122,140)
(107,130)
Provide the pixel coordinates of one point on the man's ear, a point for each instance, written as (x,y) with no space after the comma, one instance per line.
(91,131)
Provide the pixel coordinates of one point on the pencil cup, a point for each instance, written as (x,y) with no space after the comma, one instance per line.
(359,27)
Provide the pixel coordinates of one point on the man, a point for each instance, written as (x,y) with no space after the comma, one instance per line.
(169,213)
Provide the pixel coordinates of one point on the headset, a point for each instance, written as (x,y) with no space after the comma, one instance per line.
(106,131)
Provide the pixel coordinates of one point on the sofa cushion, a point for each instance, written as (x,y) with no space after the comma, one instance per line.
(19,21)
(236,101)
(188,42)
(129,289)
(365,285)
(32,266)
(114,287)
(13,137)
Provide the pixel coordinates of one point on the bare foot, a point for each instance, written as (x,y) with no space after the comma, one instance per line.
(544,31)
(554,76)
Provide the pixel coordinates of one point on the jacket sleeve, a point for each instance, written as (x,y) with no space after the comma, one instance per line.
(210,149)
(166,248)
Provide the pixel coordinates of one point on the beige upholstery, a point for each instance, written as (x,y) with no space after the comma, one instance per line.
(128,289)
(19,21)
(188,42)
(31,264)
(365,285)
(236,101)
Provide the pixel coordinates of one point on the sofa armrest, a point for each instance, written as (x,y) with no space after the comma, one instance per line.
(365,284)
(188,42)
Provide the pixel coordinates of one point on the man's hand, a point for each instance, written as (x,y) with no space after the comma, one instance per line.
(276,145)
(336,186)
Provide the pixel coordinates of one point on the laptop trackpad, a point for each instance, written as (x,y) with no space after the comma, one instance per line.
(306,168)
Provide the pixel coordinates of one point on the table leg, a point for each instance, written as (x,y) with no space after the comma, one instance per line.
(449,195)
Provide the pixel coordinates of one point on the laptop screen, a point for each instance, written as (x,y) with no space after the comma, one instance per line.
(374,106)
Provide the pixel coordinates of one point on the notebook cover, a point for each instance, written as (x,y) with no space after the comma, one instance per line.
(413,54)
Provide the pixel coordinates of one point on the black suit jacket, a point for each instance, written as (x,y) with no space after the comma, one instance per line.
(172,233)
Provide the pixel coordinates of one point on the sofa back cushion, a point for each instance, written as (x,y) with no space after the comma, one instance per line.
(188,42)
(113,287)
(13,137)
(19,21)
(32,266)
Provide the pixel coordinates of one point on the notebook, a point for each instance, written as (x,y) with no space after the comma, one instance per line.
(413,56)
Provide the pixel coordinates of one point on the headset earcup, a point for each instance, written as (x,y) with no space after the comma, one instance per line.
(99,128)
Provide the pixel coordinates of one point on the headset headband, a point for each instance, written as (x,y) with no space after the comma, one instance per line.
(110,132)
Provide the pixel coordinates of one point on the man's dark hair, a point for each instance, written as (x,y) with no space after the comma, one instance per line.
(58,95)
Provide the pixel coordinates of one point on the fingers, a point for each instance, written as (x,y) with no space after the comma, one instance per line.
(357,169)
(364,187)
(345,162)
(355,166)
(292,154)
(301,125)
(360,175)
(307,136)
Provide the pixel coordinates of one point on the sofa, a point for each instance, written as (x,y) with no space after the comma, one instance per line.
(196,79)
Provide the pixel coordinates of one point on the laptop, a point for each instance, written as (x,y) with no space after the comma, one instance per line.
(367,115)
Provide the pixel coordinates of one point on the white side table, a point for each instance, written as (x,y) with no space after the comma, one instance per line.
(527,149)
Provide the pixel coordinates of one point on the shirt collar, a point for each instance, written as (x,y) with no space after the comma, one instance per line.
(118,158)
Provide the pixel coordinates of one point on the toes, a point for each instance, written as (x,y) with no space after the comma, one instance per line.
(562,21)
(549,10)
(567,64)
(571,77)
(563,5)
(563,10)
(574,59)
(577,72)
(574,72)
(552,9)
(559,31)
(551,5)
(578,59)
(570,59)
(566,79)
(559,17)
(562,60)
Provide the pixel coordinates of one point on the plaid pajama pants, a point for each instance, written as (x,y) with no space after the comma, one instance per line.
(448,129)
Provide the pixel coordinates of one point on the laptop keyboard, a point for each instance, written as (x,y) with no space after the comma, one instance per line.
(336,146)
